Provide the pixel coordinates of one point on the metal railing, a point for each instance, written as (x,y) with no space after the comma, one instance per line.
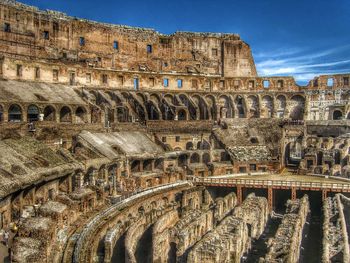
(271,183)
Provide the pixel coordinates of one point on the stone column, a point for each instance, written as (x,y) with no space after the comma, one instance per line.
(239,195)
(294,193)
(270,198)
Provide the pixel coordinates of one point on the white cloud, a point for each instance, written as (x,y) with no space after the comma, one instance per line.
(305,66)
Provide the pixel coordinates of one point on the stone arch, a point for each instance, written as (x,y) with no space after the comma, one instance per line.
(337,115)
(15,113)
(65,114)
(189,146)
(49,113)
(195,158)
(155,97)
(297,104)
(33,113)
(80,115)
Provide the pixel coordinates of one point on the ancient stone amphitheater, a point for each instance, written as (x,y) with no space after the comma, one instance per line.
(121,144)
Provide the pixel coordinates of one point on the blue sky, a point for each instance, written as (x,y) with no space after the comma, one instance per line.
(302,38)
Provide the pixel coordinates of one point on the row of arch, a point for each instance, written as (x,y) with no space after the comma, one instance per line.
(16,113)
(158,106)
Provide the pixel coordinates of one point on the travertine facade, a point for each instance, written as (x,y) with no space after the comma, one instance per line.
(122,144)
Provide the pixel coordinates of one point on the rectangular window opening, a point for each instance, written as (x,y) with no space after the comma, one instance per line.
(330,82)
(149,49)
(136,83)
(179,83)
(7,27)
(82,41)
(166,82)
(104,78)
(46,35)
(19,70)
(115,45)
(266,84)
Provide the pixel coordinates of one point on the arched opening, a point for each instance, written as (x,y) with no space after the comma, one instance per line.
(203,145)
(152,111)
(297,108)
(182,115)
(194,158)
(182,161)
(80,115)
(206,158)
(254,140)
(147,165)
(122,114)
(224,157)
(65,114)
(189,146)
(337,115)
(33,113)
(49,113)
(292,154)
(159,164)
(240,107)
(190,106)
(15,113)
(135,166)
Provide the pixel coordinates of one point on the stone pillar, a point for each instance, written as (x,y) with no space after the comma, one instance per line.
(153,165)
(270,198)
(79,181)
(141,166)
(294,193)
(239,195)
(93,177)
(324,194)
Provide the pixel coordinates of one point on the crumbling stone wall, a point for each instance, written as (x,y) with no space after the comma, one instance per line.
(255,212)
(230,239)
(335,229)
(285,246)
